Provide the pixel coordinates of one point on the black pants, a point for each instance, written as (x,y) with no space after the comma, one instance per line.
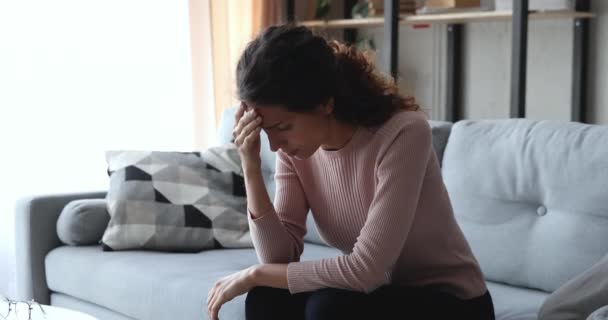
(387,302)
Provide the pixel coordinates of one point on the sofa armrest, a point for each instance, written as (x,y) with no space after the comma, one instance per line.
(599,314)
(36,235)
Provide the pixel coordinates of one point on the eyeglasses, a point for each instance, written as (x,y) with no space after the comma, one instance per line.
(19,310)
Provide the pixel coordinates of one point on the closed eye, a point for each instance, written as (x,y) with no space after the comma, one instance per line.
(284,127)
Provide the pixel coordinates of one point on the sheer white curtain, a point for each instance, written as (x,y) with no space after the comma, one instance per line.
(78,77)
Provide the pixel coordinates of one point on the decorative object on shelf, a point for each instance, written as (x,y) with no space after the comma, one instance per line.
(536,5)
(365,43)
(322,10)
(453,6)
(471,16)
(363,9)
(405,6)
(452,3)
(19,310)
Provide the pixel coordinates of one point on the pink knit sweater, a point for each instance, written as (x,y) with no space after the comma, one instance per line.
(381,201)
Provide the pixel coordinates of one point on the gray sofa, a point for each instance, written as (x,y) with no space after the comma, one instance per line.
(530,196)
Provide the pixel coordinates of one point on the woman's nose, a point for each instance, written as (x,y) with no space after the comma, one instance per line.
(275,144)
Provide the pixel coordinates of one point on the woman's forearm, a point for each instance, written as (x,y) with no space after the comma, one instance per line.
(270,275)
(258,201)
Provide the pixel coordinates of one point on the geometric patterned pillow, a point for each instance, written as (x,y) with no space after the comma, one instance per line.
(176,201)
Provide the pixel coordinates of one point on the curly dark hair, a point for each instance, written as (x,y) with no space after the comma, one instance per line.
(290,67)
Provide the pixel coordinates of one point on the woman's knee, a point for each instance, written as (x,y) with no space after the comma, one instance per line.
(264,294)
(332,303)
(270,303)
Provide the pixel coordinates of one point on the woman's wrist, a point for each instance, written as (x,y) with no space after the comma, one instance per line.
(268,275)
(252,168)
(258,201)
(253,277)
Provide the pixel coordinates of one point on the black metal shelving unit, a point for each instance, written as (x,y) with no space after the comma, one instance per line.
(454,76)
(519,58)
(519,41)
(580,64)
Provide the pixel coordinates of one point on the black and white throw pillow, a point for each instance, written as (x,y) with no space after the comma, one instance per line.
(176,201)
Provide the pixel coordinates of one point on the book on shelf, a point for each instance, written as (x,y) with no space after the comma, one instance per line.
(405,6)
(452,3)
(455,6)
(427,10)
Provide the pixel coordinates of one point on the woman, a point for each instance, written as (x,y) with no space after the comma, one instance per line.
(359,155)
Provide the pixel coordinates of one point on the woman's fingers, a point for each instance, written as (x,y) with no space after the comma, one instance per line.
(246,130)
(210,294)
(239,112)
(214,305)
(244,139)
(211,300)
(247,117)
(237,118)
(229,287)
(249,127)
(252,137)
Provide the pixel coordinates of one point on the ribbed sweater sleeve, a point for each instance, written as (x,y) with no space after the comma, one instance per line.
(278,235)
(400,168)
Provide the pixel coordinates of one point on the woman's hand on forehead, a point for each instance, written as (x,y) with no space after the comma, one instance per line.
(245,106)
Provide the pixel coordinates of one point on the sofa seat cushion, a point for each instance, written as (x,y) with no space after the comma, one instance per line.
(515,303)
(153,285)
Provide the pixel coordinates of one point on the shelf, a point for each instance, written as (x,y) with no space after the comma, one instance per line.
(446,18)
(343,23)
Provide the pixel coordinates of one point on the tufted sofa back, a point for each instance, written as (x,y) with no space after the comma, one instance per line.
(530,196)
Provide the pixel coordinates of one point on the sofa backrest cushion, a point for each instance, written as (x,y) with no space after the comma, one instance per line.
(441,132)
(530,196)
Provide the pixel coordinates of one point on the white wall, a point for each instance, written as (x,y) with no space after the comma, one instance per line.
(487,69)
